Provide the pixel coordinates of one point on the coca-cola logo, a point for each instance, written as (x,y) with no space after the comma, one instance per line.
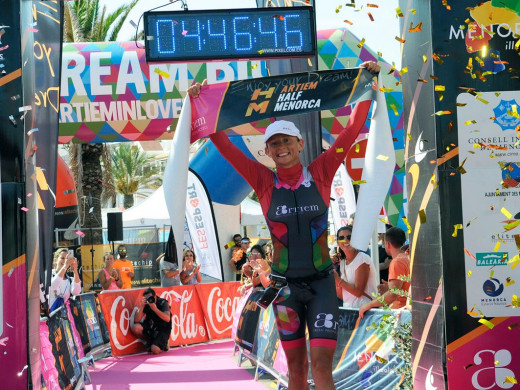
(220,310)
(119,311)
(183,323)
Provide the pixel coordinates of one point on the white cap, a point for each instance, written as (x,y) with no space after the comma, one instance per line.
(281,127)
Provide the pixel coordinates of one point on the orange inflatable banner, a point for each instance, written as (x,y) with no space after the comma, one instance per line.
(219,302)
(190,313)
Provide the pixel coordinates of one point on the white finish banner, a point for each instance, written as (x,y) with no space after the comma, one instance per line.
(489,158)
(202,227)
(343,198)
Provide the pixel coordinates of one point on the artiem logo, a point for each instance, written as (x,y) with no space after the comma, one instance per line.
(492,287)
(497,371)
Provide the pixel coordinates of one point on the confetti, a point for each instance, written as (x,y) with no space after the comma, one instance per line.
(372,5)
(497,246)
(24,209)
(413,11)
(348,22)
(32,29)
(338,8)
(514,301)
(437,58)
(404,70)
(162,73)
(440,88)
(455,307)
(504,211)
(512,225)
(399,12)
(381,360)
(422,80)
(405,220)
(339,150)
(470,272)
(489,324)
(509,282)
(510,379)
(361,43)
(428,298)
(79,233)
(491,274)
(382,157)
(470,254)
(424,58)
(10,271)
(386,89)
(356,149)
(370,16)
(230,244)
(24,108)
(398,39)
(456,228)
(359,182)
(468,366)
(512,326)
(416,28)
(472,313)
(392,106)
(32,131)
(184,32)
(445,112)
(260,52)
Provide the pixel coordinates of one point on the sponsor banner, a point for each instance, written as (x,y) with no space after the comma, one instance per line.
(343,199)
(75,334)
(247,324)
(224,105)
(267,341)
(485,358)
(119,309)
(142,256)
(48,368)
(240,306)
(219,302)
(102,323)
(201,223)
(86,319)
(491,186)
(109,93)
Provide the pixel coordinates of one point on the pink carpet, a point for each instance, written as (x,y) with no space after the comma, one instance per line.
(204,366)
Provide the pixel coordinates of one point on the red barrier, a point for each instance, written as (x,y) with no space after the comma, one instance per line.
(190,313)
(219,302)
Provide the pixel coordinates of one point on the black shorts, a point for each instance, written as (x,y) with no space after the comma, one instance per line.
(159,338)
(311,305)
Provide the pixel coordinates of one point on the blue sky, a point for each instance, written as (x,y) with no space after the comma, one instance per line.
(379,34)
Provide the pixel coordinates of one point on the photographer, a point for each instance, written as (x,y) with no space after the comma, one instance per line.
(62,285)
(153,322)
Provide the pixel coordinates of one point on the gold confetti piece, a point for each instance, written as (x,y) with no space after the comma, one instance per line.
(309,62)
(372,5)
(380,54)
(422,216)
(386,89)
(399,12)
(422,80)
(413,11)
(424,58)
(400,39)
(455,307)
(437,59)
(409,136)
(510,379)
(491,274)
(339,150)
(338,8)
(256,65)
(489,324)
(510,282)
(440,88)
(348,22)
(514,261)
(470,122)
(445,112)
(260,52)
(456,228)
(514,301)
(370,16)
(361,43)
(359,182)
(404,70)
(497,246)
(230,244)
(470,272)
(357,148)
(162,73)
(416,28)
(472,313)
(504,211)
(392,106)
(512,326)
(382,157)
(481,100)
(405,220)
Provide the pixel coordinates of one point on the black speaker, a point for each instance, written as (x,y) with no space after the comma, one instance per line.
(115,226)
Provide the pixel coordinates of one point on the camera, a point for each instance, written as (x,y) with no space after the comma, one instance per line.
(271,293)
(150,299)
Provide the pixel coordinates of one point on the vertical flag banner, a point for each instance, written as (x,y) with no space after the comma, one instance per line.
(377,175)
(201,222)
(343,198)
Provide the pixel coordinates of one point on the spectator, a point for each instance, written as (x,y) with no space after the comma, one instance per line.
(190,269)
(62,285)
(358,278)
(110,277)
(125,267)
(384,259)
(153,322)
(169,270)
(268,249)
(260,266)
(399,267)
(235,245)
(239,257)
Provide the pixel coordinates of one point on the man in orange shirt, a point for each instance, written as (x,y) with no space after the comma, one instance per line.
(125,267)
(399,267)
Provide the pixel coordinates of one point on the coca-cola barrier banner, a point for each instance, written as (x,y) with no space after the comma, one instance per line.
(199,313)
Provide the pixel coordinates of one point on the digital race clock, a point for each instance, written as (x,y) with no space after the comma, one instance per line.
(225,34)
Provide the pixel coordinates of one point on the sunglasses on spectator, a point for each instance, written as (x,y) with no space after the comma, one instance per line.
(188,255)
(122,250)
(343,238)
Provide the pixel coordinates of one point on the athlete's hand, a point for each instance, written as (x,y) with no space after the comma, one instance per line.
(371,66)
(383,287)
(194,90)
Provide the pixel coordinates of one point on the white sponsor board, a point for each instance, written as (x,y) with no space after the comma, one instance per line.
(489,153)
(202,227)
(343,199)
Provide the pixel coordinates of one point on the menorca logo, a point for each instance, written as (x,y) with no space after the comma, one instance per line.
(492,287)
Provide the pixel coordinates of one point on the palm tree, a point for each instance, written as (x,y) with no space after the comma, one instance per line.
(86,21)
(132,172)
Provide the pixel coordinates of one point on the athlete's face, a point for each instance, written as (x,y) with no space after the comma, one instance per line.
(284,150)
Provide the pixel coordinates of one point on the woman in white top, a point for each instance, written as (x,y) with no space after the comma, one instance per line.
(358,278)
(62,286)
